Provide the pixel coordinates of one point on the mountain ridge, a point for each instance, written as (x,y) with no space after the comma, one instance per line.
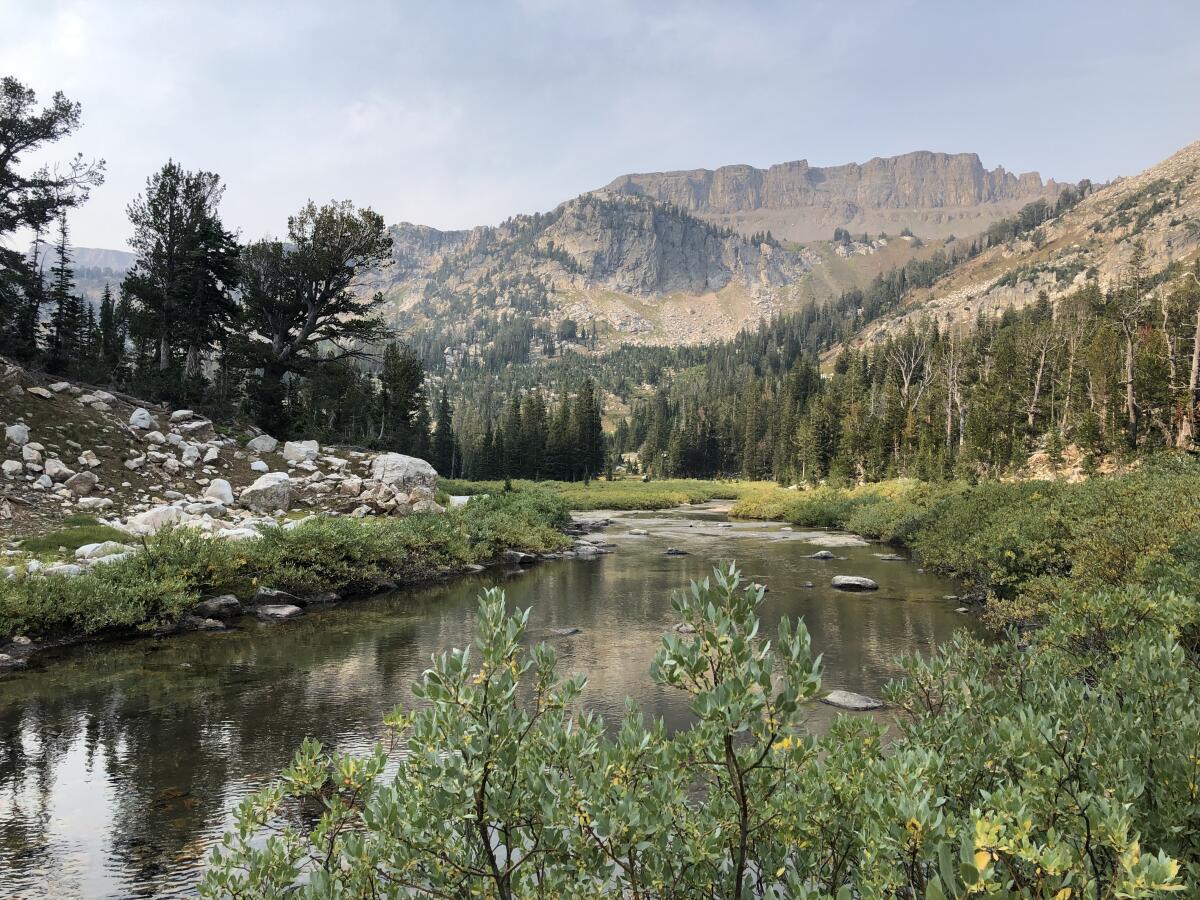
(925,191)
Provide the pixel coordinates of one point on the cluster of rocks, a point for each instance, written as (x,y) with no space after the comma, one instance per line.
(46,471)
(177,460)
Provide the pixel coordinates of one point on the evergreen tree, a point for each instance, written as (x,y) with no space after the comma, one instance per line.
(67,315)
(443,454)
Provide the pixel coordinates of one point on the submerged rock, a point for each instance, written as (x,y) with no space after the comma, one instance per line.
(852,701)
(278,612)
(853,583)
(565,632)
(821,554)
(674,551)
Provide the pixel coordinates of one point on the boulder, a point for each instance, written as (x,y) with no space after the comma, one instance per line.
(267,595)
(190,456)
(264,443)
(56,470)
(152,520)
(199,430)
(403,472)
(821,554)
(66,570)
(426,506)
(17,434)
(221,491)
(181,415)
(278,612)
(12,467)
(155,437)
(301,451)
(224,607)
(259,466)
(94,503)
(141,419)
(96,551)
(351,487)
(89,459)
(853,583)
(519,557)
(852,701)
(59,386)
(674,551)
(31,455)
(271,492)
(82,483)
(40,392)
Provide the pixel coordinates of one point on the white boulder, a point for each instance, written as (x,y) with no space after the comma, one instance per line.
(12,467)
(17,434)
(56,470)
(221,491)
(301,451)
(141,419)
(152,520)
(403,472)
(269,493)
(264,443)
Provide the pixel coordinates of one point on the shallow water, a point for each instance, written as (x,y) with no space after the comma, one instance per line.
(120,763)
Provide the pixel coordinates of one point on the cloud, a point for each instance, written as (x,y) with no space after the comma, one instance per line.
(461,114)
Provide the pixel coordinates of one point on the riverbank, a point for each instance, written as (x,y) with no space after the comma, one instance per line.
(624,494)
(1023,544)
(159,586)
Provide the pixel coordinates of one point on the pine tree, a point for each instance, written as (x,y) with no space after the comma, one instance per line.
(443,454)
(67,316)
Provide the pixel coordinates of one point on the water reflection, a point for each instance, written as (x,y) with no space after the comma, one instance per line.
(119,763)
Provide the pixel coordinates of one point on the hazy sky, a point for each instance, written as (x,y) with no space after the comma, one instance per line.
(455,114)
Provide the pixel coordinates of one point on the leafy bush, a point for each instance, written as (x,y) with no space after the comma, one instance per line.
(1066,768)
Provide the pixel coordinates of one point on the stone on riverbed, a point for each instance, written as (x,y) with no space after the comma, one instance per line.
(853,583)
(674,551)
(821,554)
(565,632)
(224,607)
(852,701)
(278,612)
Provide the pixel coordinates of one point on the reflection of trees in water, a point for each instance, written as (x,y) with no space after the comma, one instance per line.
(180,727)
(185,723)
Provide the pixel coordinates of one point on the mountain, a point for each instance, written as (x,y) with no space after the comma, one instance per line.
(677,257)
(1157,211)
(932,194)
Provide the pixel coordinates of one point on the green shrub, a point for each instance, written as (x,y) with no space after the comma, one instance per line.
(177,567)
(1066,768)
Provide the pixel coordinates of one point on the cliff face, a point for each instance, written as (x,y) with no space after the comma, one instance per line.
(930,193)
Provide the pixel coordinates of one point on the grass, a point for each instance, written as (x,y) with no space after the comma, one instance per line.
(621,494)
(179,567)
(72,537)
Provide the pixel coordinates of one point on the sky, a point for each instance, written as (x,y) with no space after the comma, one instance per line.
(453,113)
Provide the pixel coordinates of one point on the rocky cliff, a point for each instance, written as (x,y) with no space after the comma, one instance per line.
(933,194)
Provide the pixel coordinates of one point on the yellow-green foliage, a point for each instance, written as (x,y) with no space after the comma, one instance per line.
(620,494)
(177,567)
(1024,542)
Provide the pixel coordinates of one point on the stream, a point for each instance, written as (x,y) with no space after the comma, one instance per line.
(120,763)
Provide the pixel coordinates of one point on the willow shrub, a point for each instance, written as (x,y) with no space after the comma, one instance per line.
(1064,768)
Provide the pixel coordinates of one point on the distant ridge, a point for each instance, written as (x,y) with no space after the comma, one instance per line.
(932,194)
